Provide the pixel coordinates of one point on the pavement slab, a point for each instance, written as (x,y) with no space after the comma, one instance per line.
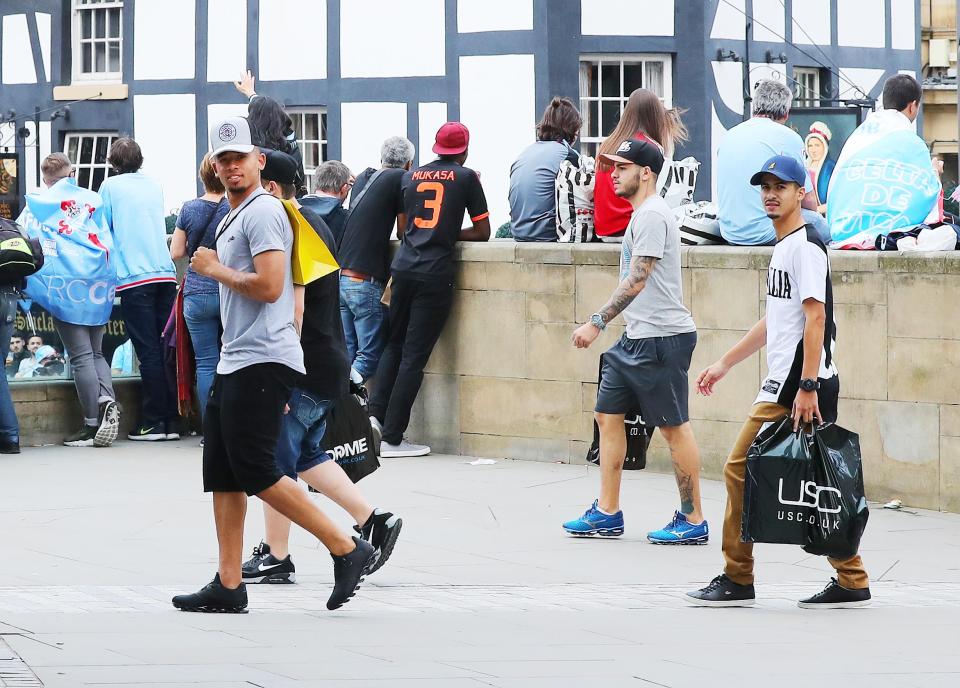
(484,589)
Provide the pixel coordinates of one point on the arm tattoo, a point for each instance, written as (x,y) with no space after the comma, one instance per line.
(627,290)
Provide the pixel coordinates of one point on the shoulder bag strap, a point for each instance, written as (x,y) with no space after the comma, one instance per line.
(236,215)
(355,202)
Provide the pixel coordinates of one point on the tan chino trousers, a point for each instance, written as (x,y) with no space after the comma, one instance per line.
(739,555)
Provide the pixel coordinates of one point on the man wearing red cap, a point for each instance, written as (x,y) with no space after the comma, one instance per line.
(435,199)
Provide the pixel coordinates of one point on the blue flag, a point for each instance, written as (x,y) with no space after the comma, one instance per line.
(78,280)
(883,181)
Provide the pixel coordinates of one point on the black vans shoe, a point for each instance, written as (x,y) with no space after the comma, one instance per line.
(723,592)
(213,598)
(381,530)
(348,572)
(835,596)
(263,567)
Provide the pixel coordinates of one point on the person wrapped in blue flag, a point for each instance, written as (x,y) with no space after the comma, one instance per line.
(76,286)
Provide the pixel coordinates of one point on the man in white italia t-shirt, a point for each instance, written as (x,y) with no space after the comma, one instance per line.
(799,333)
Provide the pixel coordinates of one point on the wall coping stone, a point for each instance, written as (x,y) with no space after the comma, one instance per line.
(730,257)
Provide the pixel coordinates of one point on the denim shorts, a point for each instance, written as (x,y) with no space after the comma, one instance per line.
(649,375)
(300,446)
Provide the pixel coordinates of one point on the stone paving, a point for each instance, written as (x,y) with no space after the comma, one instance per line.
(484,589)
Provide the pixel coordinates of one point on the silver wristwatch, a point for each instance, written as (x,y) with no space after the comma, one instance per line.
(598,321)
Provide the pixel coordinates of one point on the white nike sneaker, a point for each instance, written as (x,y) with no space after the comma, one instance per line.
(377,432)
(396,451)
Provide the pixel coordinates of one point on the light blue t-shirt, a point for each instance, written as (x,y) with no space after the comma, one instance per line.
(742,152)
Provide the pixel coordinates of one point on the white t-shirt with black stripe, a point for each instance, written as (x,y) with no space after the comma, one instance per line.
(799,270)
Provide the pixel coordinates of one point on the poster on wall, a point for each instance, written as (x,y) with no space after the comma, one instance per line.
(34,331)
(9,186)
(824,130)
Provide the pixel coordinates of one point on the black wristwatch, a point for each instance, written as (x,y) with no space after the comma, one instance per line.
(808,384)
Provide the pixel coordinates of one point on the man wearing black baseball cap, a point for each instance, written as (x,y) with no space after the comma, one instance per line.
(300,446)
(802,381)
(647,369)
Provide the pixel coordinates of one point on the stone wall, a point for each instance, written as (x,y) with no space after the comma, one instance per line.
(505,381)
(49,411)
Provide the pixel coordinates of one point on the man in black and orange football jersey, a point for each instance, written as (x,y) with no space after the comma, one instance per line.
(435,199)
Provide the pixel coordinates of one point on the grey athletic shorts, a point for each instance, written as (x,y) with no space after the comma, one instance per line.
(649,375)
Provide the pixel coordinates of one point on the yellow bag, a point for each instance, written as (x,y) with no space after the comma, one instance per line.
(311,257)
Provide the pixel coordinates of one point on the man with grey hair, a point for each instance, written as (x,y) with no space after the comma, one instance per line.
(375,205)
(743,220)
(331,185)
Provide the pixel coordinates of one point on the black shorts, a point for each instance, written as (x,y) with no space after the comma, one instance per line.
(241,426)
(649,375)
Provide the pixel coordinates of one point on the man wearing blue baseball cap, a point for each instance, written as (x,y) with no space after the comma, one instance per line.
(802,381)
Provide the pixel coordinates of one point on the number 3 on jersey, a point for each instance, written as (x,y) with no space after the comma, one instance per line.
(431,204)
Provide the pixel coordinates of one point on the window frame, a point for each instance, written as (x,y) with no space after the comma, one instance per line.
(92,165)
(298,114)
(77,9)
(798,76)
(591,143)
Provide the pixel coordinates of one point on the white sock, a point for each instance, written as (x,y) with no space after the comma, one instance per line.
(605,513)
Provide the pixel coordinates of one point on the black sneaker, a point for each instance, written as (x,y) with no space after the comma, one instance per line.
(84,437)
(835,596)
(9,447)
(381,530)
(172,430)
(108,428)
(148,433)
(723,592)
(348,572)
(215,599)
(263,567)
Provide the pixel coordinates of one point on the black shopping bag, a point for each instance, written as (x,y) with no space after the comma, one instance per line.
(839,477)
(638,439)
(349,435)
(805,488)
(638,433)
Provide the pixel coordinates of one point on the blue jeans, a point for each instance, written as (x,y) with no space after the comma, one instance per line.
(202,313)
(145,311)
(364,323)
(300,446)
(9,426)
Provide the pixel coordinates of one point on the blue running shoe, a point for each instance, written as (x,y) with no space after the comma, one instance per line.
(595,522)
(680,532)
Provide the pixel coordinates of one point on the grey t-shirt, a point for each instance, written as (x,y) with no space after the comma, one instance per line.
(254,331)
(658,310)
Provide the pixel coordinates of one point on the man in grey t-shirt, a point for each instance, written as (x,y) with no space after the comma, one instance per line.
(646,370)
(260,364)
(254,331)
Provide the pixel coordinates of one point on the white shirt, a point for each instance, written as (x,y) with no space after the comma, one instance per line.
(799,270)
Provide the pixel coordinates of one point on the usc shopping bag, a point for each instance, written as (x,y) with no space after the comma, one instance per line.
(805,488)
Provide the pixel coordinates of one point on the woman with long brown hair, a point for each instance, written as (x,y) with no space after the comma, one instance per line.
(643,115)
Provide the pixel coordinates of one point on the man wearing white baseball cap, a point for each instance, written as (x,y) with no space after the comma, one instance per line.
(260,363)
